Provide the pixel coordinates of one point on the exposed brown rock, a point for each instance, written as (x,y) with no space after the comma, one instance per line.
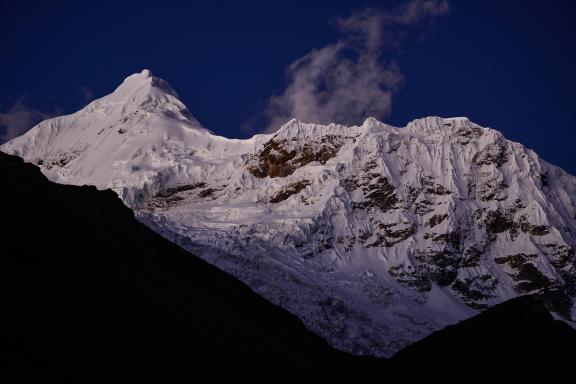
(180,188)
(562,255)
(289,190)
(171,196)
(476,288)
(515,261)
(442,265)
(491,154)
(492,189)
(206,192)
(423,207)
(536,230)
(60,161)
(497,222)
(451,239)
(467,134)
(411,277)
(518,205)
(471,257)
(275,160)
(530,279)
(434,188)
(350,184)
(436,219)
(381,194)
(388,236)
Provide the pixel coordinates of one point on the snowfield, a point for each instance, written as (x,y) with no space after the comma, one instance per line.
(375,236)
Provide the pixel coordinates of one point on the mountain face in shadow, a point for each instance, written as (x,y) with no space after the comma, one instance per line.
(82,280)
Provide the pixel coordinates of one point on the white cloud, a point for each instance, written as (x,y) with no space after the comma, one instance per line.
(18,119)
(87,93)
(349,80)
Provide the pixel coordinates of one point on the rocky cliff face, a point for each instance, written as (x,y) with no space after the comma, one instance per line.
(374,236)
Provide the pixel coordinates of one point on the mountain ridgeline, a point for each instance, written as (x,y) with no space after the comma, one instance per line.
(374,236)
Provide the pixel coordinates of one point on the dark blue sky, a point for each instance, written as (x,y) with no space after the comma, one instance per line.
(506,64)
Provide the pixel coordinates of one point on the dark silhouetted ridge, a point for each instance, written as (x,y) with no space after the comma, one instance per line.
(519,338)
(82,280)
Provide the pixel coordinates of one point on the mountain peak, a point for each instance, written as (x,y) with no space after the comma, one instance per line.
(146,72)
(137,79)
(137,128)
(144,83)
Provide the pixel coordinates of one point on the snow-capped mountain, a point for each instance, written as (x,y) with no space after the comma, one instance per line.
(138,134)
(375,236)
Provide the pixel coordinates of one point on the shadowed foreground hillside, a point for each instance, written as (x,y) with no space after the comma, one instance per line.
(83,282)
(518,337)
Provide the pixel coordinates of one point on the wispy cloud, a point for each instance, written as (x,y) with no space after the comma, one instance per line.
(20,117)
(87,93)
(355,77)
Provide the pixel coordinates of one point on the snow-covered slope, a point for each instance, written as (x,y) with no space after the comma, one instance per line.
(375,236)
(133,141)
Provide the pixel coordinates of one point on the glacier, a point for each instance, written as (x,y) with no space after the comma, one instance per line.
(374,236)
